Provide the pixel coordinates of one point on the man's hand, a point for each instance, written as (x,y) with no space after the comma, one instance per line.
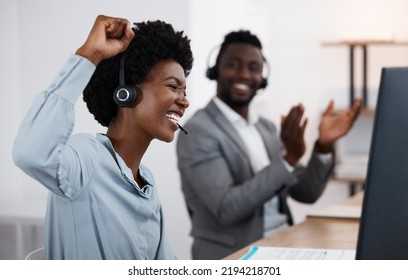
(109,36)
(292,134)
(334,126)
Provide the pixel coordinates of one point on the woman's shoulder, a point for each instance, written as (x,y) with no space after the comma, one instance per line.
(85,145)
(83,139)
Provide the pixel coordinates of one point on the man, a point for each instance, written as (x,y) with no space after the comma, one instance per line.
(236,171)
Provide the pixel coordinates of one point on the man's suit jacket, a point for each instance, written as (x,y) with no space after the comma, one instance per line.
(224,196)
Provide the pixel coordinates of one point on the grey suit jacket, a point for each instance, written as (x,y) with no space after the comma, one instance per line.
(224,196)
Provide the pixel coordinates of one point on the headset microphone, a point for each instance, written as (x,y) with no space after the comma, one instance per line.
(124,95)
(183,129)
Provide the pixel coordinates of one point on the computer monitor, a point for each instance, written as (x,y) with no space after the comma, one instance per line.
(383,232)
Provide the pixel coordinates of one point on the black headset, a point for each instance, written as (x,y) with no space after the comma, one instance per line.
(212,72)
(124,95)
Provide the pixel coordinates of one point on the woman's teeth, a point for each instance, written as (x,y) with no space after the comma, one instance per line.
(173,117)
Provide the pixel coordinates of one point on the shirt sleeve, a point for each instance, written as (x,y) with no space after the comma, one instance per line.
(40,144)
(326,159)
(287,165)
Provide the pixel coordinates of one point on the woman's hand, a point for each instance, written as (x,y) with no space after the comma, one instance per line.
(108,37)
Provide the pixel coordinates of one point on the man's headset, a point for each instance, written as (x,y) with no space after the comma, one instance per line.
(212,72)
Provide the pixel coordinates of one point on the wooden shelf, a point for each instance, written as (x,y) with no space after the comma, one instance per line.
(364,42)
(352,42)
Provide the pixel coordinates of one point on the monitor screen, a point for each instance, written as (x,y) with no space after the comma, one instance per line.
(383,232)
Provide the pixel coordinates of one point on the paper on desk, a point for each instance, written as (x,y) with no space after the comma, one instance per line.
(284,253)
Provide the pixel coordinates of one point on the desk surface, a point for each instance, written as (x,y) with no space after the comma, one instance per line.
(314,233)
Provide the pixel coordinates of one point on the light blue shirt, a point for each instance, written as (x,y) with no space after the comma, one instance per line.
(95,208)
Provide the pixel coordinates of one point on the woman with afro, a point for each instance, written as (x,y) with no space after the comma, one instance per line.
(103,201)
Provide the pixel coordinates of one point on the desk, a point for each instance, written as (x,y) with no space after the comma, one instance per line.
(348,211)
(319,233)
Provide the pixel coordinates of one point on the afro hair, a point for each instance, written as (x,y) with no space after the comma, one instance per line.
(153,41)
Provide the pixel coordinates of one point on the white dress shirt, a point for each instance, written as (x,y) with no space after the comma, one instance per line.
(273,219)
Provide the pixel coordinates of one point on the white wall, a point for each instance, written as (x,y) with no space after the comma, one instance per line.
(37,37)
(10,94)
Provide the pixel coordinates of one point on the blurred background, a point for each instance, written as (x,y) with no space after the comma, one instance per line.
(38,36)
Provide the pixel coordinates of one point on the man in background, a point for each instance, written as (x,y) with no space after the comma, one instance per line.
(236,171)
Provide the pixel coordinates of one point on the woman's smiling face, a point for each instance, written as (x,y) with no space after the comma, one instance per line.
(162,100)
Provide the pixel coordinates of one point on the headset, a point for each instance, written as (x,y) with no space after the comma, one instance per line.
(124,95)
(212,72)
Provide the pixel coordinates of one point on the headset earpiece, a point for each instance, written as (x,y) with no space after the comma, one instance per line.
(124,95)
(264,83)
(211,73)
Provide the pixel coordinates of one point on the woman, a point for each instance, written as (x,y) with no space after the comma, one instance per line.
(103,202)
